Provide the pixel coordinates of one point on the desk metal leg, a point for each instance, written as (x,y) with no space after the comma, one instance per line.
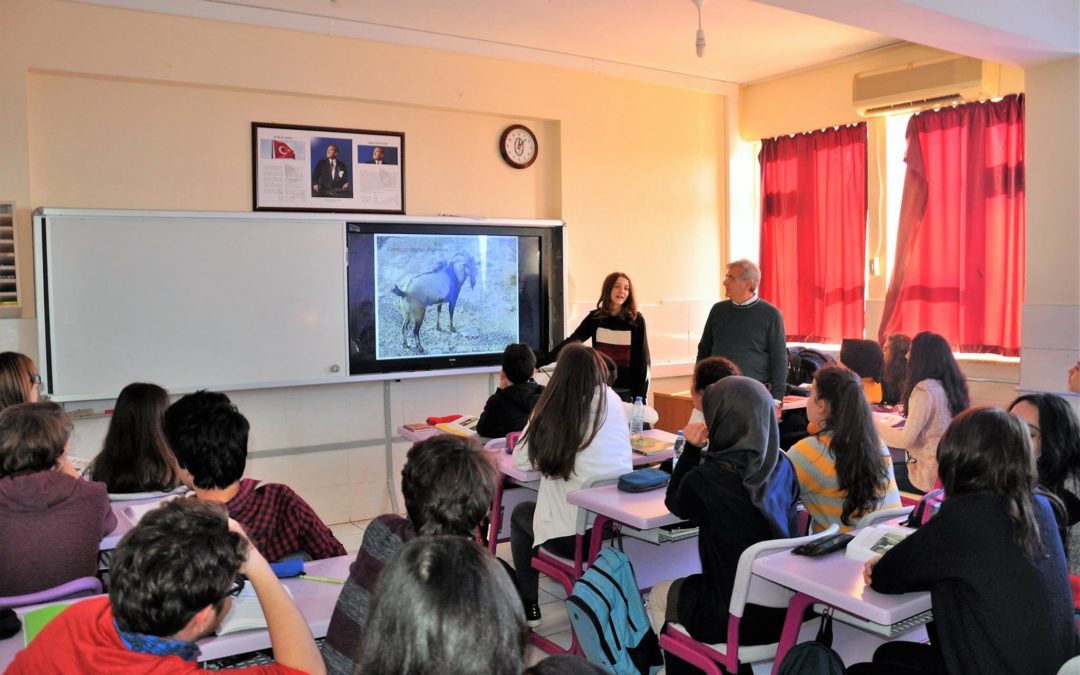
(792,625)
(597,538)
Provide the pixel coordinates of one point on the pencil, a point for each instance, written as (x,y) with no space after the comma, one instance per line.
(325,580)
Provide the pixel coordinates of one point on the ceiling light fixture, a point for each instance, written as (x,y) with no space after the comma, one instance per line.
(699,44)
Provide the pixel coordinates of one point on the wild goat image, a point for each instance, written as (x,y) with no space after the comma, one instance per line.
(476,277)
(438,287)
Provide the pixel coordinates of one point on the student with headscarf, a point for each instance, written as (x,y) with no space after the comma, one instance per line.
(741,491)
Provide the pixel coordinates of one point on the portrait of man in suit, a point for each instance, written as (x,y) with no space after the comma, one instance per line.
(330,178)
(376,156)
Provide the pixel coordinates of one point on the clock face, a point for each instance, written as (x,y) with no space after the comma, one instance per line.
(518,146)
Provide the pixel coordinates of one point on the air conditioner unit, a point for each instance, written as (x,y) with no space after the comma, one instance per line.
(924,84)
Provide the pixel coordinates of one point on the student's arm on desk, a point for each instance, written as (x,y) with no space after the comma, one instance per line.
(683,503)
(926,556)
(919,409)
(521,453)
(290,636)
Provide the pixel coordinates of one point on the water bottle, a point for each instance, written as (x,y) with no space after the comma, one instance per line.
(677,448)
(637,418)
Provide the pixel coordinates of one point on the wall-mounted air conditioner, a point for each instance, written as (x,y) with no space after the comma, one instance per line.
(925,84)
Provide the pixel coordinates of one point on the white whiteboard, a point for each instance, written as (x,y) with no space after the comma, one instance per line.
(188,301)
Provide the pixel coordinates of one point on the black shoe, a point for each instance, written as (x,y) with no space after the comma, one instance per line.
(532,615)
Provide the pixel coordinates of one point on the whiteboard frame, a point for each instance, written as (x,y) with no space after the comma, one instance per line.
(43,316)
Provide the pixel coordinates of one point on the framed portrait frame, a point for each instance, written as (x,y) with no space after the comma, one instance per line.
(327,169)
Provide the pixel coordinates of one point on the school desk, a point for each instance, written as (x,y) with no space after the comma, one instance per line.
(674,408)
(836,580)
(316,600)
(531,479)
(123,522)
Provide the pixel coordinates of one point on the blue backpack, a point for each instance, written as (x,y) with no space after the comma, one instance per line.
(609,620)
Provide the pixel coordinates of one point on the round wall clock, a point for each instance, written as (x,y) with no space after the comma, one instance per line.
(518,146)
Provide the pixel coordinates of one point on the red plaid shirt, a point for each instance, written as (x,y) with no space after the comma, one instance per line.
(279,522)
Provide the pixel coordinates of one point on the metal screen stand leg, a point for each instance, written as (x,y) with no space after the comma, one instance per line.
(388,431)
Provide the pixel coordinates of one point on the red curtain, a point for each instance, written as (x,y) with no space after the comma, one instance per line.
(959,264)
(813,231)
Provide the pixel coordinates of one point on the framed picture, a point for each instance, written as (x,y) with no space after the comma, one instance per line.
(297,168)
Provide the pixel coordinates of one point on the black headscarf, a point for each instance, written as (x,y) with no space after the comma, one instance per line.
(743,432)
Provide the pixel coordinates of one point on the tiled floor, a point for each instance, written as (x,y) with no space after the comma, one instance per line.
(350,535)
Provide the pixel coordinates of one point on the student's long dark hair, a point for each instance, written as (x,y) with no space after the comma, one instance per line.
(604,305)
(444,605)
(987,450)
(896,350)
(562,424)
(1059,444)
(135,456)
(932,359)
(860,464)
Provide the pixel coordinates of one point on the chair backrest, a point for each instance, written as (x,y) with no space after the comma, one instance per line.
(881,516)
(760,591)
(76,588)
(585,518)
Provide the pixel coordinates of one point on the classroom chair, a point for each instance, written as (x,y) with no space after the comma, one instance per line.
(564,570)
(77,588)
(881,516)
(716,659)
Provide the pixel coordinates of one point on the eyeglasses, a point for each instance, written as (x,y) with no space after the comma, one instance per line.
(236,589)
(35,379)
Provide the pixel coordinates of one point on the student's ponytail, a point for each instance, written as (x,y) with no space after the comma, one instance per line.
(860,464)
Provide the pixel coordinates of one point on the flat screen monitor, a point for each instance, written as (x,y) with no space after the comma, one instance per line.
(434,296)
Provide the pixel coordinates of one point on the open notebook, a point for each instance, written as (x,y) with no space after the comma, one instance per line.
(246,613)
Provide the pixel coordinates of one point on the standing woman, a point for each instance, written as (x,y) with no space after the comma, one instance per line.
(844,470)
(135,456)
(577,431)
(617,329)
(991,559)
(896,351)
(19,380)
(935,391)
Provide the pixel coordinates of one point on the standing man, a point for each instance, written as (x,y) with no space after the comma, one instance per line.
(747,330)
(331,176)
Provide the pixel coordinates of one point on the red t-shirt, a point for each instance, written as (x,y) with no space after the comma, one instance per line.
(83,639)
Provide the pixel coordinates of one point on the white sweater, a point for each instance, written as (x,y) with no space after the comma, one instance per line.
(609,453)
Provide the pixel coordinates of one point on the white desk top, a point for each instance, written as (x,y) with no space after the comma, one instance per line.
(123,523)
(315,599)
(505,462)
(837,581)
(643,510)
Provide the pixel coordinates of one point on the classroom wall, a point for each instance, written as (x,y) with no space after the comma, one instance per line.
(123,109)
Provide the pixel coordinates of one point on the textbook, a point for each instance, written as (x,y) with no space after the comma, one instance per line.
(246,613)
(646,445)
(871,542)
(135,512)
(463,426)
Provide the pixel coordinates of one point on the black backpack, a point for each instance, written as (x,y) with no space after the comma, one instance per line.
(815,657)
(803,363)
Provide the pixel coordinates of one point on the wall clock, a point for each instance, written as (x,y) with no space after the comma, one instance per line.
(518,146)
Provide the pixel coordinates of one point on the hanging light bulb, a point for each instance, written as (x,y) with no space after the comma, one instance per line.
(699,43)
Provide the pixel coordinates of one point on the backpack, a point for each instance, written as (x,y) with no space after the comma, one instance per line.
(816,657)
(608,617)
(803,363)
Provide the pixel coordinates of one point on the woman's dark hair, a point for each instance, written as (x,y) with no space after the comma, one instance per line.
(932,359)
(443,605)
(712,369)
(563,424)
(32,437)
(1059,445)
(987,450)
(860,464)
(604,305)
(16,378)
(896,349)
(448,483)
(135,456)
(180,558)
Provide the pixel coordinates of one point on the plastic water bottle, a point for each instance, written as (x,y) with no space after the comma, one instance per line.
(677,448)
(637,418)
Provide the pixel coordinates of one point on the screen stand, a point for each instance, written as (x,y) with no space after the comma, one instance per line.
(388,433)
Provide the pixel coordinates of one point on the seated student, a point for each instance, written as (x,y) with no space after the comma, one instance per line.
(51,521)
(708,370)
(135,456)
(172,580)
(896,350)
(1055,438)
(19,379)
(577,431)
(209,437)
(508,408)
(444,605)
(865,358)
(844,470)
(742,492)
(447,482)
(991,558)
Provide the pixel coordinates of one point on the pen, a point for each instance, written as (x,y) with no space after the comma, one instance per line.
(325,580)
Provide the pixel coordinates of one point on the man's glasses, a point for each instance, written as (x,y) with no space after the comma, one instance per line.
(236,589)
